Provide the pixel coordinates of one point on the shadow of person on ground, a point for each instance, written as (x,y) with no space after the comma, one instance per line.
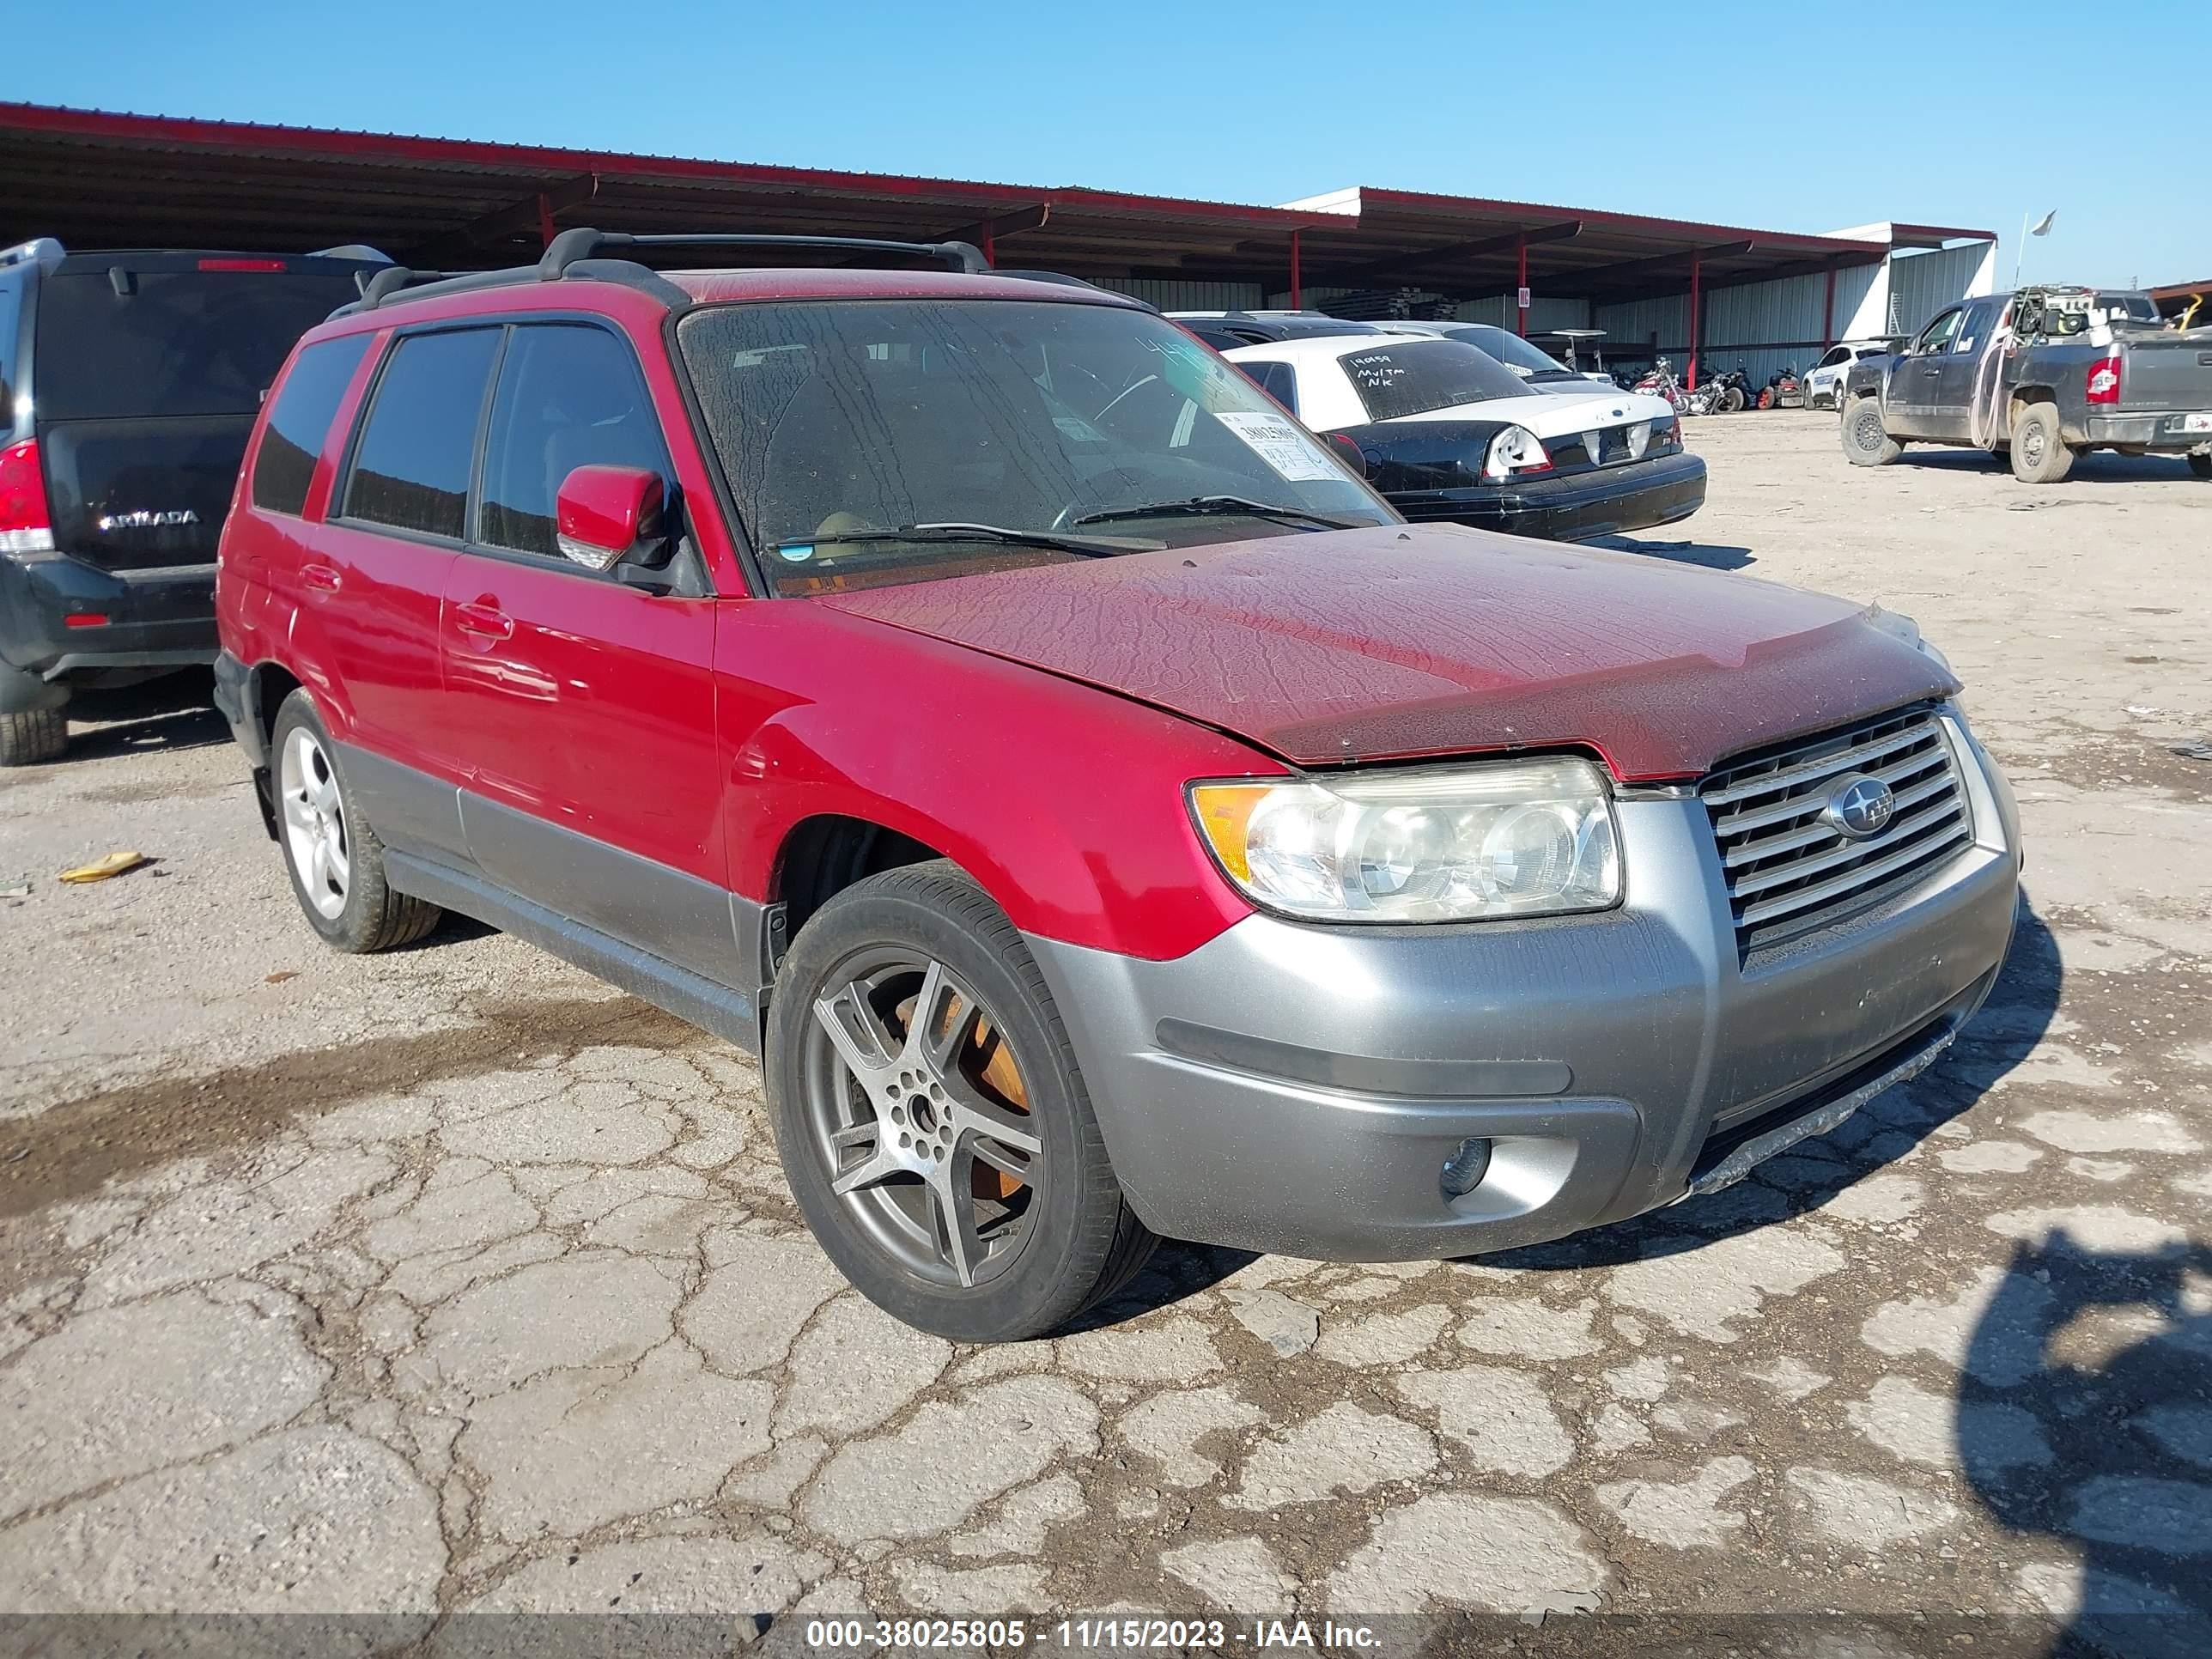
(2084,1416)
(2002,1035)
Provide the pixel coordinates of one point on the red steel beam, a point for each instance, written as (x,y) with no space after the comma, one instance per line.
(1697,305)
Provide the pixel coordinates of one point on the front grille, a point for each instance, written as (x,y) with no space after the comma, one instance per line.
(1789,872)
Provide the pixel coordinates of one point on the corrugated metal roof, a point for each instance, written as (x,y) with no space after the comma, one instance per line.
(98,178)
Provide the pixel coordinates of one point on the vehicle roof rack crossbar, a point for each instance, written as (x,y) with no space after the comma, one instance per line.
(388,283)
(571,247)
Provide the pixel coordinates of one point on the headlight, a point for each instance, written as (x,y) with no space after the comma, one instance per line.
(1463,844)
(1515,451)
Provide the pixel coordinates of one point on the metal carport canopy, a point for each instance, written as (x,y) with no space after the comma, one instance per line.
(95,178)
(1471,247)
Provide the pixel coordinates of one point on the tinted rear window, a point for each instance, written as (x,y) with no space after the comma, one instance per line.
(411,470)
(302,421)
(178,343)
(1413,377)
(10,316)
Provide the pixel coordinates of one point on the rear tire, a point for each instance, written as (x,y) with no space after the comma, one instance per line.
(35,735)
(331,851)
(915,1100)
(2039,455)
(2201,465)
(1867,442)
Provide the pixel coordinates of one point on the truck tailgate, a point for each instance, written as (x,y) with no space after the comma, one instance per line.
(2167,371)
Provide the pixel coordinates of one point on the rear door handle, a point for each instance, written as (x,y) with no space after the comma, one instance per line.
(320,578)
(483,621)
(1931,371)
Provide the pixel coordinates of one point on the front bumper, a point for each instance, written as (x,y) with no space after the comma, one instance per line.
(2160,431)
(1606,501)
(155,618)
(1298,1088)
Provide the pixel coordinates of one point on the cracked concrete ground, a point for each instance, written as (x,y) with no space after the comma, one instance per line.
(451,1280)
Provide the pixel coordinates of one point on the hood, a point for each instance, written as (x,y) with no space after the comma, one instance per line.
(1408,641)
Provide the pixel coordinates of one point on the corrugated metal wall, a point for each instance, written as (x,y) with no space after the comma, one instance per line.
(1544,313)
(1760,327)
(1922,284)
(1630,327)
(1190,296)
(1853,284)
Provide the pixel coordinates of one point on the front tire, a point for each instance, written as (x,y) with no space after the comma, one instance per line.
(2201,465)
(1867,442)
(2039,455)
(34,735)
(331,850)
(931,1118)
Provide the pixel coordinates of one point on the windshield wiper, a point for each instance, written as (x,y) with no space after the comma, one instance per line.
(1089,547)
(1213,506)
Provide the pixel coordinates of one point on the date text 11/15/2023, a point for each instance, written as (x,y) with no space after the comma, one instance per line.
(1127,1634)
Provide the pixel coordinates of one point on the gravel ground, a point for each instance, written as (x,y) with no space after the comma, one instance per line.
(449,1281)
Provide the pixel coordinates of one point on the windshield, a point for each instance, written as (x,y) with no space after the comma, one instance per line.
(837,422)
(1417,377)
(1510,349)
(2126,307)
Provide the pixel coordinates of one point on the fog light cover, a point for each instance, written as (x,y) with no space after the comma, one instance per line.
(1464,1169)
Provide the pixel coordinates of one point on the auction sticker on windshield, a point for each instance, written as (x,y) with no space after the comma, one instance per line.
(1276,439)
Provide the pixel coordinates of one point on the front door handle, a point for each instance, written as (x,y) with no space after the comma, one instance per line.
(1931,372)
(483,621)
(320,578)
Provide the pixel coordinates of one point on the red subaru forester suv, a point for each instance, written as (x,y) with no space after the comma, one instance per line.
(1106,816)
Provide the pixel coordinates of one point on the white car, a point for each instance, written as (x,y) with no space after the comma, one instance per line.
(1824,381)
(1450,433)
(1542,371)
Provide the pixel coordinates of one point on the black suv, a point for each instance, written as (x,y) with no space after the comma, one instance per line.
(1224,330)
(128,382)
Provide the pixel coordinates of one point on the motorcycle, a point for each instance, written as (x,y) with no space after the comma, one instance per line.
(1660,382)
(1727,393)
(1785,390)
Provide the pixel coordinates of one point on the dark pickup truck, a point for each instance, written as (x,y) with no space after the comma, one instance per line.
(2047,373)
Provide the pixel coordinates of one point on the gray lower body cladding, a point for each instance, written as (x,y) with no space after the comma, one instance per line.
(1295,1088)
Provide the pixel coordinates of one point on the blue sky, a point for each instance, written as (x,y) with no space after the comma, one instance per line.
(1785,116)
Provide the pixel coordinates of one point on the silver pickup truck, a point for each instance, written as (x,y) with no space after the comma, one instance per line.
(2046,374)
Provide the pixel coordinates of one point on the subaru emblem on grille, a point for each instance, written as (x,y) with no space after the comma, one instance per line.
(1861,806)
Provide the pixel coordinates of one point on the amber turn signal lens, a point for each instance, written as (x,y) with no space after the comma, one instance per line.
(1223,811)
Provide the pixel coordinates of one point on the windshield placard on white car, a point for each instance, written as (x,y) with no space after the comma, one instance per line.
(1276,439)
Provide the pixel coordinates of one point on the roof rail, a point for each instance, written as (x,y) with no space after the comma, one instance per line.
(44,250)
(584,243)
(387,284)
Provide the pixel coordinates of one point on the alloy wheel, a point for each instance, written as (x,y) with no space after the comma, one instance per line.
(315,837)
(920,1111)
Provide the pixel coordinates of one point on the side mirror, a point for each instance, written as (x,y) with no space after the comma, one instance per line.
(1349,452)
(604,515)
